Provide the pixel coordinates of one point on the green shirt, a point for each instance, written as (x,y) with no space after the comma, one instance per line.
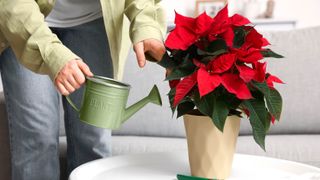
(22,27)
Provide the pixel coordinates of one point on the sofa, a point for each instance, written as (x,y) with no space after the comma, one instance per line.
(153,129)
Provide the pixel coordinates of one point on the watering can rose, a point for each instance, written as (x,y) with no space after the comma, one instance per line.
(216,67)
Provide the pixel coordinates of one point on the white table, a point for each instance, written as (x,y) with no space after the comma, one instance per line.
(165,166)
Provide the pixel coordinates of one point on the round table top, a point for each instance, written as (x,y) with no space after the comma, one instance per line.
(165,166)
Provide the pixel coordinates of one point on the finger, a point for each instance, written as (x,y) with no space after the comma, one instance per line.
(155,48)
(73,82)
(68,86)
(79,76)
(84,68)
(168,71)
(156,54)
(139,50)
(62,89)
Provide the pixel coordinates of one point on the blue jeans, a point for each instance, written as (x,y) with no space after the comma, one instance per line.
(34,114)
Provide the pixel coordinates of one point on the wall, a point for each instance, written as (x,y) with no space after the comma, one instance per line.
(306,12)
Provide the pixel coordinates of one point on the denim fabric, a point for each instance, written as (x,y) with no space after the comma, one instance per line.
(33,114)
(33,109)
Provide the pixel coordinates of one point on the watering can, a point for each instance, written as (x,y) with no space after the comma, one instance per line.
(104,102)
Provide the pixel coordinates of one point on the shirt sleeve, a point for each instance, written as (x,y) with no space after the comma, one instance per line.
(30,38)
(147,20)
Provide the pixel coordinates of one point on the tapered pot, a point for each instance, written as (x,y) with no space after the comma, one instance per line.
(211,151)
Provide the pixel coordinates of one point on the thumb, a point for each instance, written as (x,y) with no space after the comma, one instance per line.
(139,50)
(84,68)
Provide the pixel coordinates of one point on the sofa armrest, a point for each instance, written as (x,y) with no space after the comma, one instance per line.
(5,164)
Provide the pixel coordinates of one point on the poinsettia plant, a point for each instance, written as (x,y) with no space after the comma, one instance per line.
(217,69)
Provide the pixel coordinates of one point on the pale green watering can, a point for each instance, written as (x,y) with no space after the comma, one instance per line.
(104,102)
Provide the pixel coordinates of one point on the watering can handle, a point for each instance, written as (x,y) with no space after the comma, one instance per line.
(72,104)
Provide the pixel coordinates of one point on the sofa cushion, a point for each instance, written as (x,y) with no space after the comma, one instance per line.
(297,147)
(141,144)
(299,70)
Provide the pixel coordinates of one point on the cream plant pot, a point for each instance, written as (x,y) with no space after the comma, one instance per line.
(211,151)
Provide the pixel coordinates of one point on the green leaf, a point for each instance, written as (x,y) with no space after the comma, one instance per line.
(220,113)
(269,123)
(270,53)
(184,69)
(214,49)
(274,102)
(214,107)
(217,45)
(205,60)
(216,53)
(273,99)
(204,104)
(184,108)
(167,61)
(187,62)
(258,119)
(231,100)
(179,73)
(239,37)
(171,95)
(177,55)
(234,112)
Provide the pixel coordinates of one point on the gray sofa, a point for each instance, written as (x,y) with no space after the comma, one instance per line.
(296,137)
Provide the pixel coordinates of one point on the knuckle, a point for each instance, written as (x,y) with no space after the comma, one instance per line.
(77,86)
(72,90)
(65,93)
(74,67)
(64,73)
(71,63)
(65,82)
(82,80)
(69,77)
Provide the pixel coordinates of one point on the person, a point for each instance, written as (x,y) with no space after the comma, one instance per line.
(84,38)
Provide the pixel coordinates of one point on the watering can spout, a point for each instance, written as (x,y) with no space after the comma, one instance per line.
(153,97)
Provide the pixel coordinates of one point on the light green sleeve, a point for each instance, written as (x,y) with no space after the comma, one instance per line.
(33,43)
(147,20)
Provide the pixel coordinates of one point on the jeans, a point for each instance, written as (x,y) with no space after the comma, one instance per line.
(34,114)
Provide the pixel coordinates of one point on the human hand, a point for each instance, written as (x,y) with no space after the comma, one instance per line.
(152,47)
(72,76)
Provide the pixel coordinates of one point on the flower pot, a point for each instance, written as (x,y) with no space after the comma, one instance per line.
(211,151)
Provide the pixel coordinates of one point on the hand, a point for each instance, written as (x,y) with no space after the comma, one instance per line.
(72,76)
(168,71)
(152,47)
